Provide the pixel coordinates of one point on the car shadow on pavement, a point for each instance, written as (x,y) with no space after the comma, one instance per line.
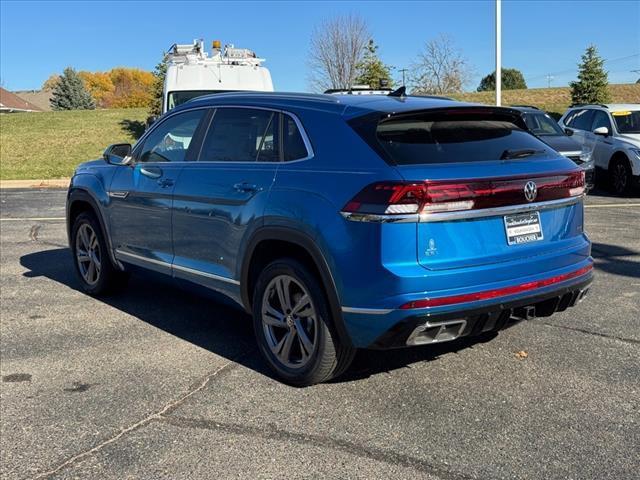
(204,319)
(607,258)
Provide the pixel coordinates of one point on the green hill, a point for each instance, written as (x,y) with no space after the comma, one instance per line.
(50,144)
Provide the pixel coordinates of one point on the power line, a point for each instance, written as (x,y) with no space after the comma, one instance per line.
(608,61)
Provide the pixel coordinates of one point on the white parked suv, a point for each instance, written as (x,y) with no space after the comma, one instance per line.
(613,131)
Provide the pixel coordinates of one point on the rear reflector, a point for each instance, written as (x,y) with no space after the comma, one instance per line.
(498,292)
(434,196)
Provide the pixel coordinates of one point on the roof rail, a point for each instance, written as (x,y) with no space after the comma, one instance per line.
(526,106)
(589,105)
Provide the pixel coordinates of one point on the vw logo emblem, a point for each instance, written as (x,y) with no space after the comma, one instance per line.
(530,191)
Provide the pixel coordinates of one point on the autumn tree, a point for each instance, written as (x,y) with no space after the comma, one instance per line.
(440,68)
(371,70)
(70,93)
(51,82)
(337,48)
(99,85)
(593,82)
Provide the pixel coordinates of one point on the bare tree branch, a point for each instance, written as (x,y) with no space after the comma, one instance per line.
(440,68)
(337,47)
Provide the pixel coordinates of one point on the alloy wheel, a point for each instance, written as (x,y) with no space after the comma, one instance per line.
(289,321)
(88,255)
(619,177)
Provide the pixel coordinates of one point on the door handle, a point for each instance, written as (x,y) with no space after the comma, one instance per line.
(165,182)
(151,172)
(245,187)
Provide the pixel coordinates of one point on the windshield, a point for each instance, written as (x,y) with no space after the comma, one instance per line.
(180,97)
(542,124)
(627,121)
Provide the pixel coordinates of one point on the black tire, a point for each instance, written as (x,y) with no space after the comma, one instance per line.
(108,278)
(620,176)
(329,357)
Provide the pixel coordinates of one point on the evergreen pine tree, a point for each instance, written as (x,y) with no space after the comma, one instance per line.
(70,93)
(157,89)
(371,71)
(592,84)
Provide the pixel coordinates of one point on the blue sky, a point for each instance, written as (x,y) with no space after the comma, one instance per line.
(539,37)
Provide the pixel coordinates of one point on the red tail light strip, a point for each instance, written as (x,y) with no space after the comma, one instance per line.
(447,196)
(495,293)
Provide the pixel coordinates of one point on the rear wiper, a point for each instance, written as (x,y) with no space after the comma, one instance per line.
(525,152)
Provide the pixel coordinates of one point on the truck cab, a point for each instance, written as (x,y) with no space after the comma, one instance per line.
(193,72)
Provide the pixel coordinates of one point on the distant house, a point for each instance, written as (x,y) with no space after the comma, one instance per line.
(10,102)
(39,98)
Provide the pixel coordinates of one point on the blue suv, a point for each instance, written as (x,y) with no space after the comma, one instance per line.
(340,221)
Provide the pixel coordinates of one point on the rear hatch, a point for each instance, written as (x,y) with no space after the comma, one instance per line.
(483,189)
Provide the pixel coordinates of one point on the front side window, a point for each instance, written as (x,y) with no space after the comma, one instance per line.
(627,121)
(541,124)
(170,141)
(600,119)
(241,135)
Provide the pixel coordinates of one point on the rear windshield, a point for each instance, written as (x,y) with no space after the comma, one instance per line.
(444,137)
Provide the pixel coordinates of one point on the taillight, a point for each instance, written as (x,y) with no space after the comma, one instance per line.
(436,196)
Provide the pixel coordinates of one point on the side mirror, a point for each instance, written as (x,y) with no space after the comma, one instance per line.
(117,153)
(604,131)
(568,131)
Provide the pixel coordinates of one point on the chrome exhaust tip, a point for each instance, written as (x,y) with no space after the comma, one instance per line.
(437,332)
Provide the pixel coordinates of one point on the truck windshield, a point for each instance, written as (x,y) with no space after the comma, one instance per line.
(183,96)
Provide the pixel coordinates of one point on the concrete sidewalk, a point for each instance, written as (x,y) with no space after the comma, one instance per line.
(52,183)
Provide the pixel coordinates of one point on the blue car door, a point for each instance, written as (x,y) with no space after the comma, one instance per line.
(141,193)
(219,199)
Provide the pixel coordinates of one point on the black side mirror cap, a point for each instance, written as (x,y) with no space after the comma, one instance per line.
(117,153)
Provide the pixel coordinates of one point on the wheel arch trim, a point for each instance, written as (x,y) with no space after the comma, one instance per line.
(290,235)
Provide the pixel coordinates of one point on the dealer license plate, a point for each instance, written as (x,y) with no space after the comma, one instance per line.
(523,228)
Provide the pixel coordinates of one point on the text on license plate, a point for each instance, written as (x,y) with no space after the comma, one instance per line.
(523,228)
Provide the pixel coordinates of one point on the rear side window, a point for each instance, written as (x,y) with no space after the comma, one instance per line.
(241,135)
(293,144)
(443,137)
(582,120)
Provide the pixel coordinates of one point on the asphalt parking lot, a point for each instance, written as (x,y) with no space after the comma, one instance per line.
(161,383)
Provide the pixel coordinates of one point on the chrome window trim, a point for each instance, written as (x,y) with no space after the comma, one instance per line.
(177,267)
(301,129)
(463,214)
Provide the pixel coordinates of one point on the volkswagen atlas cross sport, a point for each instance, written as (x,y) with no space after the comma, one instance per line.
(340,221)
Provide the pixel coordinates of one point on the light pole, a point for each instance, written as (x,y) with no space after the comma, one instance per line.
(498,52)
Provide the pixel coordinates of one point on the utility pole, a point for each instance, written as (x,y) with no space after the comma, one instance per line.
(403,70)
(549,78)
(498,52)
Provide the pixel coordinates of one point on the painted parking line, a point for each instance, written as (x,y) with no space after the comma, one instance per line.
(32,219)
(611,205)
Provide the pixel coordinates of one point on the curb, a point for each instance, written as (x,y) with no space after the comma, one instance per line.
(36,184)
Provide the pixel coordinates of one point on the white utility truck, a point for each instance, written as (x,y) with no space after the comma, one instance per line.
(192,72)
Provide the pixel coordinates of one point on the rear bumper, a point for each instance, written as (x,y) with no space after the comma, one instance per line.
(436,328)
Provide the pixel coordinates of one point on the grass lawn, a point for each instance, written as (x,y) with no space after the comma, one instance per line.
(552,100)
(50,144)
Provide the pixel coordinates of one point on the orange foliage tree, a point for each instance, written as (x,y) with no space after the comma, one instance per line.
(120,87)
